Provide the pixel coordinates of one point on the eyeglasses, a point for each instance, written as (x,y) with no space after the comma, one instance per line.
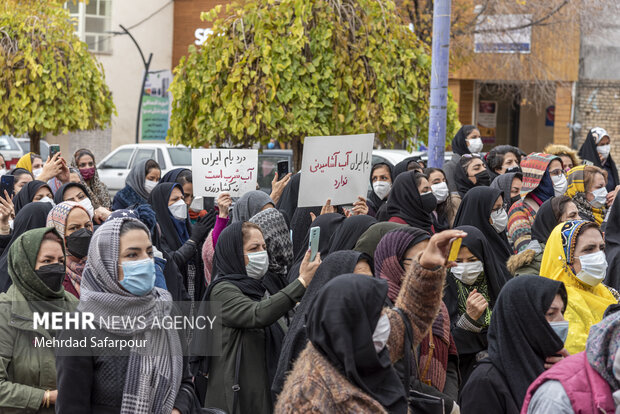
(557,172)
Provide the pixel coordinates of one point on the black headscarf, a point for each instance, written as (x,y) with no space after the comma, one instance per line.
(349,232)
(31,216)
(229,266)
(403,166)
(336,264)
(520,338)
(172,175)
(588,152)
(459,145)
(405,202)
(27,193)
(329,224)
(158,199)
(288,200)
(60,193)
(504,182)
(462,180)
(545,221)
(373,199)
(612,246)
(475,210)
(300,223)
(340,325)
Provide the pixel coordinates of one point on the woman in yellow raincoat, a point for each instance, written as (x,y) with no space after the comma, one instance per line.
(574,255)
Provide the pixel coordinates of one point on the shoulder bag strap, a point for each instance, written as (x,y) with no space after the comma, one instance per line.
(406,348)
(236,388)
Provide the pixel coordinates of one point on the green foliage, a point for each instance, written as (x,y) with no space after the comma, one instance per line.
(286,69)
(49,82)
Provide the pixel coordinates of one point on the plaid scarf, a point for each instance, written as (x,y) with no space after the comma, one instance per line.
(577,191)
(153,374)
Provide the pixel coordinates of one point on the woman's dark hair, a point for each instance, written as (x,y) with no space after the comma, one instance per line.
(81,152)
(133,225)
(381,165)
(184,177)
(52,236)
(495,157)
(34,156)
(559,205)
(18,172)
(150,165)
(246,227)
(417,177)
(414,166)
(465,161)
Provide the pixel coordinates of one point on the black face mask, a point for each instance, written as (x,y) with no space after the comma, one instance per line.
(52,275)
(429,202)
(514,169)
(515,199)
(78,242)
(483,178)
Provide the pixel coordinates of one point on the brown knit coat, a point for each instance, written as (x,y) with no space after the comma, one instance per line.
(316,386)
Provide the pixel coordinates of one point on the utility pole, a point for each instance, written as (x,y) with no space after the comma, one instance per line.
(439,83)
(147,65)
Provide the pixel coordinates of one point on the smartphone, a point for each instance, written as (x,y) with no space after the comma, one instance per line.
(6,183)
(454,249)
(54,149)
(282,169)
(313,245)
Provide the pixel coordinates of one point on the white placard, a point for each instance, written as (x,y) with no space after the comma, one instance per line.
(218,170)
(335,167)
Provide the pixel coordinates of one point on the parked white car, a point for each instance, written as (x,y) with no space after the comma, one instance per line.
(394,156)
(114,168)
(10,150)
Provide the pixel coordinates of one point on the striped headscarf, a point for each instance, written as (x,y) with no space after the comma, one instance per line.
(534,167)
(577,191)
(57,218)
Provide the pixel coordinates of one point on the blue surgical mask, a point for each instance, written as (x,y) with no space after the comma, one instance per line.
(139,276)
(560,329)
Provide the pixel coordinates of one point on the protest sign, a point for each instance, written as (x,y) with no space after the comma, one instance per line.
(335,167)
(218,170)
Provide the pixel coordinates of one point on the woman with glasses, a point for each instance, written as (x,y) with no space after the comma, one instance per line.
(586,186)
(543,178)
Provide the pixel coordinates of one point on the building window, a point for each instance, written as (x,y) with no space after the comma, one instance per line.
(92,23)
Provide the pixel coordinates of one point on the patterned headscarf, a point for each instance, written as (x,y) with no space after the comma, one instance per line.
(534,167)
(577,191)
(586,304)
(602,348)
(278,239)
(57,218)
(153,373)
(98,192)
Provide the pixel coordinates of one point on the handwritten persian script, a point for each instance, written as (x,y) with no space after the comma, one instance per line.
(219,170)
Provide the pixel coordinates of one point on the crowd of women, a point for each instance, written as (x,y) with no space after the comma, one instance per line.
(521,315)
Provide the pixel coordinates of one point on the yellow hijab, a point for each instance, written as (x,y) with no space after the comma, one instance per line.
(577,191)
(25,162)
(586,304)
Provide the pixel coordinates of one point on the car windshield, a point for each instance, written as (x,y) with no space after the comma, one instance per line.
(8,144)
(180,156)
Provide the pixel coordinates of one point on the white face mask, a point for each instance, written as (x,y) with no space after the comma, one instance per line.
(467,272)
(37,172)
(382,333)
(258,263)
(475,145)
(197,204)
(499,219)
(593,268)
(178,210)
(441,192)
(88,206)
(11,224)
(149,185)
(600,198)
(604,150)
(559,184)
(381,189)
(2,172)
(47,200)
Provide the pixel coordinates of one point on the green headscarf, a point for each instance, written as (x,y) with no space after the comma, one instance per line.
(22,259)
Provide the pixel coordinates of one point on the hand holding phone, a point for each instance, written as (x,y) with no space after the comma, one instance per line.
(437,253)
(283,169)
(7,184)
(54,149)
